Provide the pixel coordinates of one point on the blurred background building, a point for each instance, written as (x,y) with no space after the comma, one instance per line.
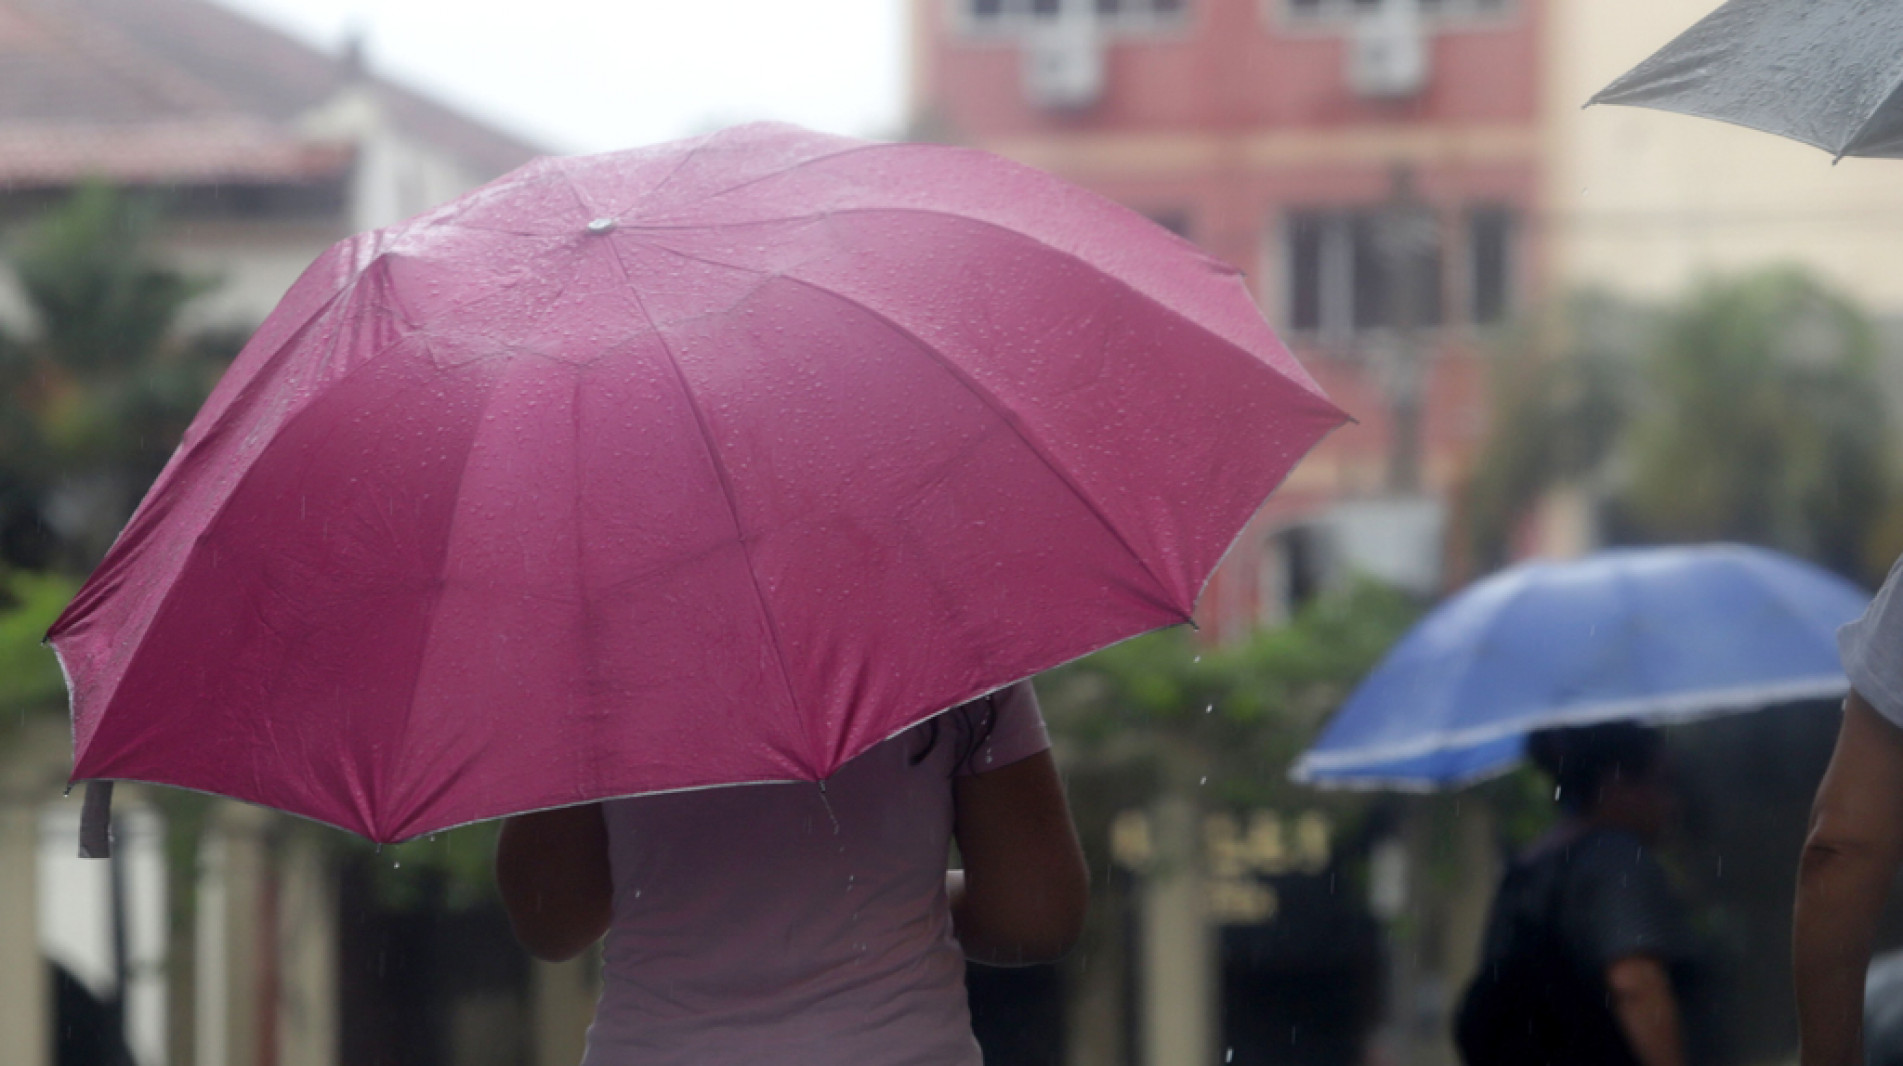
(254,152)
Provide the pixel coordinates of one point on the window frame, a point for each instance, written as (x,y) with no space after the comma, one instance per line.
(1336,16)
(1017,16)
(1512,229)
(1338,319)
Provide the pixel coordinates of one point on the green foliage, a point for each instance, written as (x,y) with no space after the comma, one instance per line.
(1750,411)
(30,677)
(452,869)
(1557,417)
(1764,423)
(1233,717)
(100,301)
(96,393)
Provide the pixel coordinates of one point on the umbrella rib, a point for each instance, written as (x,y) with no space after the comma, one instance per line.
(1713,702)
(244,397)
(189,444)
(733,504)
(165,598)
(436,590)
(1780,596)
(1300,379)
(1017,427)
(686,157)
(1870,120)
(783,171)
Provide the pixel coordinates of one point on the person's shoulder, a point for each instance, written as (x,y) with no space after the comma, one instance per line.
(1612,851)
(1612,843)
(1615,865)
(1868,648)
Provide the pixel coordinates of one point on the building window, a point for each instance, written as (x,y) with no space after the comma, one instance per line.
(1490,233)
(1345,275)
(1311,240)
(1323,11)
(1290,572)
(1004,14)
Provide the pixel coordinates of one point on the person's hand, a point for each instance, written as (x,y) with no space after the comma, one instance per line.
(1647,1010)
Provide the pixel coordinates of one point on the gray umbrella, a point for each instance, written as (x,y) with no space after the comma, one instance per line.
(1825,72)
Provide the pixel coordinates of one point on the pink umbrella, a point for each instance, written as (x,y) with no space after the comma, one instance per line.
(707,463)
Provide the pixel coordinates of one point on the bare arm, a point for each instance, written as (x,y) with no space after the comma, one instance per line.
(1021,896)
(552,871)
(1856,839)
(1647,1010)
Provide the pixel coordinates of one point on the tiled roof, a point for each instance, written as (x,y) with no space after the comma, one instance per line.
(223,85)
(208,152)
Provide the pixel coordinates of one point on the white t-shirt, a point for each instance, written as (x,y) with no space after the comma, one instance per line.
(779,925)
(1872,649)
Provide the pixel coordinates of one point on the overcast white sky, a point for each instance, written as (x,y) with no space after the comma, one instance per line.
(594,75)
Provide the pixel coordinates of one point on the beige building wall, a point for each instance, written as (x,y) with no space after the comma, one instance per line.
(1644,202)
(251,264)
(32,770)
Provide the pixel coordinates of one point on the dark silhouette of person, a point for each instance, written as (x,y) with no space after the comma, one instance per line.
(1587,952)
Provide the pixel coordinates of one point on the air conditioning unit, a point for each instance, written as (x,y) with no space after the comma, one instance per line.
(1063,63)
(1388,53)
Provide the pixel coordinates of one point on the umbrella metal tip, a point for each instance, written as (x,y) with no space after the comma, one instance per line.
(600,226)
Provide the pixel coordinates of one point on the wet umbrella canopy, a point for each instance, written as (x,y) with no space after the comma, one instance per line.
(1652,634)
(714,462)
(1825,72)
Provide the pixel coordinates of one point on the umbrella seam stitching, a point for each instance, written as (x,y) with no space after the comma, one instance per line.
(771,175)
(726,488)
(1012,421)
(1305,382)
(436,593)
(164,599)
(363,811)
(249,390)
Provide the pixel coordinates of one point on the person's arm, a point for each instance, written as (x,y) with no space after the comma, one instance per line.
(1021,896)
(1647,1009)
(552,872)
(1849,859)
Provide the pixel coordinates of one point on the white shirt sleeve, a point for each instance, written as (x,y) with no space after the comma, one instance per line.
(1872,649)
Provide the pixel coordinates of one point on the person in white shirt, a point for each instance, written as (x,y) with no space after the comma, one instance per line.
(805,924)
(1856,838)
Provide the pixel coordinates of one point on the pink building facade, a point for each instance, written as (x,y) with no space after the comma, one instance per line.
(1372,165)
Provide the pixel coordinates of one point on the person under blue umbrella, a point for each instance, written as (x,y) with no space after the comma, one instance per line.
(1588,958)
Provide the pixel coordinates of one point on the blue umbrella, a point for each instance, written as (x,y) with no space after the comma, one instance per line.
(1652,634)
